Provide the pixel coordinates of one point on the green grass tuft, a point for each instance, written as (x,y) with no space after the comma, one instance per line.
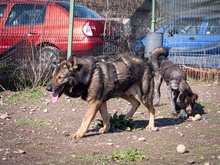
(32,122)
(123,156)
(28,95)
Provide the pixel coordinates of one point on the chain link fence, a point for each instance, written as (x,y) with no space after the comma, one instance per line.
(24,32)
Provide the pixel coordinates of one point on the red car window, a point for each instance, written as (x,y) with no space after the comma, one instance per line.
(26,15)
(2,9)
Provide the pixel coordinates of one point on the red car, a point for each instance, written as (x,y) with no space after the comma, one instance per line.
(44,25)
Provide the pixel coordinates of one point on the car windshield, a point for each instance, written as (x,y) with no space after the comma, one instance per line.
(80,11)
(2,9)
(186,26)
(213,26)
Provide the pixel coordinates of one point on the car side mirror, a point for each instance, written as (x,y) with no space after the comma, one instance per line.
(171,32)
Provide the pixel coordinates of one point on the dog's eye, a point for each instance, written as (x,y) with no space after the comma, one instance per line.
(61,77)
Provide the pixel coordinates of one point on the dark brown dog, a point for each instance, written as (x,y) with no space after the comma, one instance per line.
(177,86)
(96,80)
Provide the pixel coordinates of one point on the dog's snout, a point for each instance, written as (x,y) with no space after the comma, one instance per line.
(189,110)
(49,88)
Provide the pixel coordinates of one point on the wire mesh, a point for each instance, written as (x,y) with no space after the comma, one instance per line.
(28,26)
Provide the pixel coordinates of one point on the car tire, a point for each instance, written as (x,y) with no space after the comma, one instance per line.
(46,57)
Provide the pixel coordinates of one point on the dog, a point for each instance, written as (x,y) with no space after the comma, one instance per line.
(177,87)
(98,79)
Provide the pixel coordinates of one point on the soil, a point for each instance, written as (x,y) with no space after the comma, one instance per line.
(46,143)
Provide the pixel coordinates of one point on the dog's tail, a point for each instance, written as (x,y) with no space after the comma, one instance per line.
(158,52)
(155,55)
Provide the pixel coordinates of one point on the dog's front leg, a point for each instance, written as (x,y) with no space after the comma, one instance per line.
(90,114)
(105,117)
(171,98)
(151,120)
(149,105)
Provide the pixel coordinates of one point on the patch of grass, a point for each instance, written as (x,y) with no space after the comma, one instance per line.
(124,156)
(202,150)
(117,122)
(93,159)
(210,105)
(31,122)
(28,95)
(121,156)
(19,142)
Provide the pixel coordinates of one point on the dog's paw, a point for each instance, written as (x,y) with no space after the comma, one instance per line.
(175,114)
(75,136)
(156,102)
(152,128)
(102,130)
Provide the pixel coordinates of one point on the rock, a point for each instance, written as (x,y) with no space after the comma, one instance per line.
(181,148)
(32,110)
(181,134)
(45,110)
(134,137)
(21,151)
(66,134)
(141,139)
(4,116)
(191,161)
(110,144)
(197,117)
(202,157)
(206,163)
(23,108)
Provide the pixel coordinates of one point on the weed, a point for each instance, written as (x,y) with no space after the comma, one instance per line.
(117,122)
(32,122)
(123,156)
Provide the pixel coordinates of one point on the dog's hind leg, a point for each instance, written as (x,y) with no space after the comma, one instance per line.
(171,98)
(134,105)
(105,117)
(176,94)
(90,114)
(158,81)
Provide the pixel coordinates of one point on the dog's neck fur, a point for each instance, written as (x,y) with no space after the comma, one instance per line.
(184,86)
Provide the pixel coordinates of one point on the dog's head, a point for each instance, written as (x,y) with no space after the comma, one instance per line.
(63,77)
(187,100)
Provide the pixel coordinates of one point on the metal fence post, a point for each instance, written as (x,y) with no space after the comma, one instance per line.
(153,19)
(71,25)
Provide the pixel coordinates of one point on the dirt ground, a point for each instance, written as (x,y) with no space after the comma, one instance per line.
(46,143)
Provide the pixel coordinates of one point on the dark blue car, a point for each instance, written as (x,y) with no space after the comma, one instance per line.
(192,41)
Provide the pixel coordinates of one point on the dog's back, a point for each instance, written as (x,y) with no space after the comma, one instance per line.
(171,74)
(169,70)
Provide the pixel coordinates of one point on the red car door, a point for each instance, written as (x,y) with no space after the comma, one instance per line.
(20,26)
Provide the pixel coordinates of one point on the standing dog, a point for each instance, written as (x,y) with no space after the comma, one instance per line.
(96,81)
(177,86)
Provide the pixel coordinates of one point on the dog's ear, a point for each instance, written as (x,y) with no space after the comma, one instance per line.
(72,62)
(195,96)
(181,98)
(60,59)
